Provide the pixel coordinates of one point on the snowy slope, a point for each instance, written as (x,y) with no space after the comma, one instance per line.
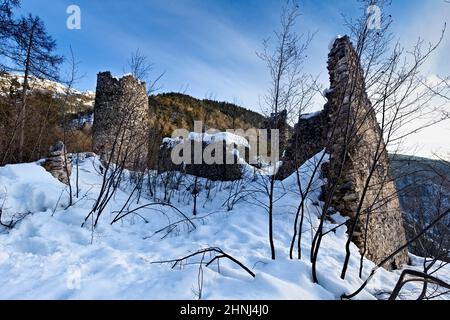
(45,86)
(49,256)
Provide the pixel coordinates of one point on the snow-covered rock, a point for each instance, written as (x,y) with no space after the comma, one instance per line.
(227,137)
(307,116)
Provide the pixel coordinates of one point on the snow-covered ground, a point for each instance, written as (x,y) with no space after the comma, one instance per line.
(48,255)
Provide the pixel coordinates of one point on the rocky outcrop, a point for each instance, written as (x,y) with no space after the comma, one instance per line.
(359,184)
(58,163)
(121,120)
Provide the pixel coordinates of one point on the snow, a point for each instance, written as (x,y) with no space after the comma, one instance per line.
(47,86)
(27,188)
(331,45)
(327,91)
(308,116)
(228,137)
(170,142)
(83,119)
(126,75)
(209,138)
(49,256)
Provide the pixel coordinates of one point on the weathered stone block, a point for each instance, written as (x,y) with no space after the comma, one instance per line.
(58,163)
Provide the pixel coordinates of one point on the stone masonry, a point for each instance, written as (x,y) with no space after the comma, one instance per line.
(348,129)
(58,163)
(121,120)
(279,121)
(215,172)
(308,139)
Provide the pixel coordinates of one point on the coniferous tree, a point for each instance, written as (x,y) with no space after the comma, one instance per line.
(32,53)
(6,26)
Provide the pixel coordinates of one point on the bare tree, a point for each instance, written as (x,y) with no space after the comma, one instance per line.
(215,255)
(434,245)
(408,276)
(72,78)
(394,82)
(141,68)
(31,53)
(398,96)
(7,25)
(442,215)
(284,62)
(12,219)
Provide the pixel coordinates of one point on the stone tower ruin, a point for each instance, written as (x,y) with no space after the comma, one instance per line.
(121,120)
(347,128)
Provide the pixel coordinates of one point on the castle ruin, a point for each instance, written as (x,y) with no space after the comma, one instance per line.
(359,183)
(358,172)
(222,170)
(121,120)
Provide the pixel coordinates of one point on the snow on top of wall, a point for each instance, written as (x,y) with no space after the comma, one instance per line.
(331,45)
(307,116)
(126,75)
(228,137)
(171,142)
(209,138)
(327,91)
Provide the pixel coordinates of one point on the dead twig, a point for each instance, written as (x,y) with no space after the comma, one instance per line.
(219,254)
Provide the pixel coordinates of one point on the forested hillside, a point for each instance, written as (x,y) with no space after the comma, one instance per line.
(176,110)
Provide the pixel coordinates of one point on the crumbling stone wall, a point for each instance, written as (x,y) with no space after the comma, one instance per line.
(308,139)
(121,120)
(216,172)
(348,129)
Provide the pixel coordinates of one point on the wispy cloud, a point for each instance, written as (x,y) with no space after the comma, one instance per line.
(209,47)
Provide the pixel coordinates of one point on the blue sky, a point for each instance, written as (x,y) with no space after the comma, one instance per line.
(207,47)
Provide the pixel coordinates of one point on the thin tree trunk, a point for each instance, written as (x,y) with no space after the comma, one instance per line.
(272,245)
(23,111)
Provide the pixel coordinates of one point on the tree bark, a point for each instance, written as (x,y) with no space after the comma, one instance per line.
(23,111)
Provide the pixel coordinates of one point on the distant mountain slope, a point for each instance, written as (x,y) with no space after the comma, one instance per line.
(171,111)
(79,101)
(424,188)
(176,110)
(48,108)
